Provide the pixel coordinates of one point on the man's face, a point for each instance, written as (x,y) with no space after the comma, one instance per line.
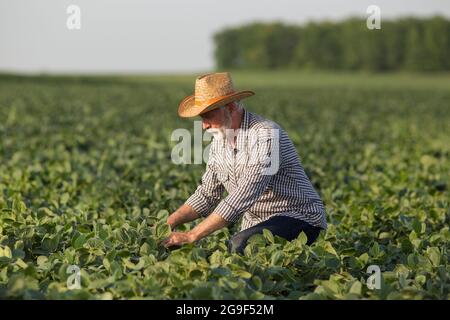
(216,121)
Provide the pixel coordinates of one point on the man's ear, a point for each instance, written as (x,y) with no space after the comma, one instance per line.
(231,106)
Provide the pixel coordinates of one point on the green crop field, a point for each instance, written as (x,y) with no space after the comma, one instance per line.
(86,179)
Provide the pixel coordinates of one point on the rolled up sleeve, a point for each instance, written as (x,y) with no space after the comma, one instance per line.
(208,193)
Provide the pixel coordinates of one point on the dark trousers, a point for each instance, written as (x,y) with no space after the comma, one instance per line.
(285,227)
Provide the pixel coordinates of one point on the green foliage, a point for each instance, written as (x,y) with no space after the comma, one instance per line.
(402,44)
(86,179)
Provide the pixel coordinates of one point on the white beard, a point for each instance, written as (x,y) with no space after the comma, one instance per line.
(215,132)
(220,133)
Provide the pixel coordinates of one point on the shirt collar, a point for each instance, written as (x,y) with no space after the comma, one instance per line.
(245,119)
(242,132)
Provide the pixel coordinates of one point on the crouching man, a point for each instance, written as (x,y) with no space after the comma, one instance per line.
(254,160)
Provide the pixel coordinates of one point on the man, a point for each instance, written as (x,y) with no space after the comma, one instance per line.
(254,160)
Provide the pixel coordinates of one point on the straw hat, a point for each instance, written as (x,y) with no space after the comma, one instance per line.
(212,91)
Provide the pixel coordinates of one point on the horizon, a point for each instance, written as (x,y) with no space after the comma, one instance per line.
(151,38)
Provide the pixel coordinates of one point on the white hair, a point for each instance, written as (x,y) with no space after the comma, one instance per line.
(239,104)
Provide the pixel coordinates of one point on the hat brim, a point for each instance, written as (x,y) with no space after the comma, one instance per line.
(188,108)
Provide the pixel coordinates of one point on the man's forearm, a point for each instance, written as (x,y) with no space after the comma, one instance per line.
(212,223)
(183,214)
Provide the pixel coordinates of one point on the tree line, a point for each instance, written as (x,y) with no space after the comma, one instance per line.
(403,44)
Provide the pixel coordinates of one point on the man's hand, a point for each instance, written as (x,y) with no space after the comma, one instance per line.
(178,238)
(212,223)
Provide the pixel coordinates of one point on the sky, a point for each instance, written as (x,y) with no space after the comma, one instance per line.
(155,36)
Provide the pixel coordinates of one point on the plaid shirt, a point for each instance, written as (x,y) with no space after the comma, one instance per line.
(263,177)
